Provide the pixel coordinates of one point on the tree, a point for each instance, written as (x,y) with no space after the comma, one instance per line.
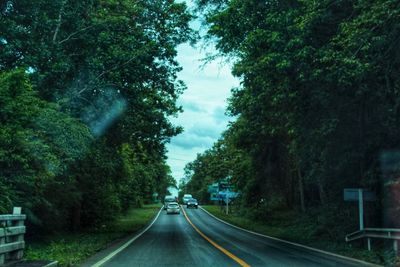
(105,74)
(38,142)
(317,103)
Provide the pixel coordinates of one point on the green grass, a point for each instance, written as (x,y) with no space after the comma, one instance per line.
(288,225)
(71,249)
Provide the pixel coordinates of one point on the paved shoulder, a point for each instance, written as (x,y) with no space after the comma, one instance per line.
(257,250)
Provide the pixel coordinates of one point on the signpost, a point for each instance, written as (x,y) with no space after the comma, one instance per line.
(360,195)
(226,197)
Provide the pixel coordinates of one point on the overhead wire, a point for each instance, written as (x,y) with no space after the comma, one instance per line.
(178,159)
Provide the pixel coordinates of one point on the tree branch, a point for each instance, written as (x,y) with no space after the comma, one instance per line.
(58,22)
(75,33)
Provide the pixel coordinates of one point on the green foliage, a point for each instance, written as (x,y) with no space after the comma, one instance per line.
(218,163)
(37,143)
(86,89)
(317,106)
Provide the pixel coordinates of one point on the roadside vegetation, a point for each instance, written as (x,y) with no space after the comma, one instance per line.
(70,249)
(86,89)
(316,112)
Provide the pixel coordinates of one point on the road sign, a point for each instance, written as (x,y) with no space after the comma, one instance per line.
(212,188)
(17,210)
(352,194)
(360,195)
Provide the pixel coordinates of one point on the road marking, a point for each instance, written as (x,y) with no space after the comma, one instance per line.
(124,246)
(226,252)
(364,263)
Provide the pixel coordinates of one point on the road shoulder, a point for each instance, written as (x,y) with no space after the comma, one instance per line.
(296,246)
(117,246)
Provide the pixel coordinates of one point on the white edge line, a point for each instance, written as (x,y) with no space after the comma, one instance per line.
(291,243)
(118,250)
(52,264)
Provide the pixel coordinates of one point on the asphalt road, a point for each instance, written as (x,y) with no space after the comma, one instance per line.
(172,241)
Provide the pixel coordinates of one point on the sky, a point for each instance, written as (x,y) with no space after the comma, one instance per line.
(204,103)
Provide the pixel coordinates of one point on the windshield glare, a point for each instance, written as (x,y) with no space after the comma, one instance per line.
(281,116)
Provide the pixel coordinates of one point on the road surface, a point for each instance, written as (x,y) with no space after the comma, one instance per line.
(173,241)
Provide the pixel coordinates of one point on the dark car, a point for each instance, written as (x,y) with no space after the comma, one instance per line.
(192,203)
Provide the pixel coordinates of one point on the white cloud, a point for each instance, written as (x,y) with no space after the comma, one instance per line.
(204,104)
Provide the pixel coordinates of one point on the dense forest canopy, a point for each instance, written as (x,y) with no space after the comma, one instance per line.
(317,110)
(86,89)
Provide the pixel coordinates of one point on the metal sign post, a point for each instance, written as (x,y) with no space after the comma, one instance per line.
(360,195)
(361,208)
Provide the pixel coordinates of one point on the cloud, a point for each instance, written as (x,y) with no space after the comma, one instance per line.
(179,157)
(219,115)
(191,106)
(199,133)
(206,132)
(188,141)
(204,102)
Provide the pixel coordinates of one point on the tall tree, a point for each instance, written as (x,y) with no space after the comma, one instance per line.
(318,100)
(106,67)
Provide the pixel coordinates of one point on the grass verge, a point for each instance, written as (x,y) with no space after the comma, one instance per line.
(291,227)
(70,249)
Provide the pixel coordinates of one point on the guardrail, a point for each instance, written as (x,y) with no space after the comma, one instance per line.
(12,232)
(380,233)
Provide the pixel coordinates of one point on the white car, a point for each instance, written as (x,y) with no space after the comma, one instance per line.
(186,198)
(173,208)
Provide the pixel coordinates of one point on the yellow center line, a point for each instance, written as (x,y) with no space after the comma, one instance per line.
(226,252)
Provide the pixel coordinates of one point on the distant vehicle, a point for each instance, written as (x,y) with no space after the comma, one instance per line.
(168,199)
(186,198)
(173,208)
(192,203)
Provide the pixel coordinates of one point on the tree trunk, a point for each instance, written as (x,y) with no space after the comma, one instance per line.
(301,190)
(59,22)
(321,192)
